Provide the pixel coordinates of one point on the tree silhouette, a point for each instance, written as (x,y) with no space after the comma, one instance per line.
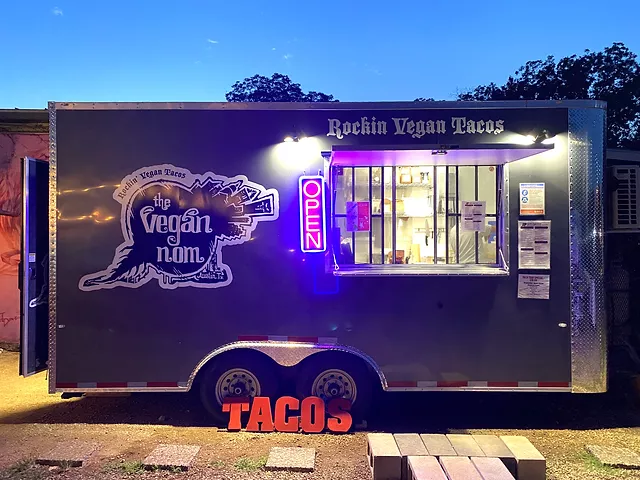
(612,75)
(278,88)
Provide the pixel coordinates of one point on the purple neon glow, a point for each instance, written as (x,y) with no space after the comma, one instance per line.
(390,158)
(313,231)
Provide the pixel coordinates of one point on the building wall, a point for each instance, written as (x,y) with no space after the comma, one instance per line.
(13,147)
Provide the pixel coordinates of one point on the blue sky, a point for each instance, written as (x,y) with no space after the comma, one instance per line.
(194,50)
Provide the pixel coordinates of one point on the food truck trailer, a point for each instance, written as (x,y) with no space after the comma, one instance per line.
(407,246)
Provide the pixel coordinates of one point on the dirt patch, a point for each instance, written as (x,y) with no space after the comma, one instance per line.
(128,429)
(9,347)
(223,455)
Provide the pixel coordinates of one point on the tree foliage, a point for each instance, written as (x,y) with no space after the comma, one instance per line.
(612,75)
(278,88)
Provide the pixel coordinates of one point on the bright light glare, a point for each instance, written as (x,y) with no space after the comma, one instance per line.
(298,155)
(549,141)
(519,139)
(288,139)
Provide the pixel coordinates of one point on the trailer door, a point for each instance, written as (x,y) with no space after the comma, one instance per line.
(33,278)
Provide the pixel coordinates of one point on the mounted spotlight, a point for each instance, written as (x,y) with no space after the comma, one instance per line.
(443,149)
(544,136)
(294,138)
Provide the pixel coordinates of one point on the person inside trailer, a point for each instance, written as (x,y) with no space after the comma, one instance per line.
(467,245)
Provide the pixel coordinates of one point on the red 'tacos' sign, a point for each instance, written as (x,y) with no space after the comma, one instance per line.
(313,234)
(310,415)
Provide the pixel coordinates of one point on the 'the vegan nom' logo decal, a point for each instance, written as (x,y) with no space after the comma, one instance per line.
(175,224)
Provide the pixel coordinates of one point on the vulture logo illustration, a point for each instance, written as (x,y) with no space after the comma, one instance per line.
(175,224)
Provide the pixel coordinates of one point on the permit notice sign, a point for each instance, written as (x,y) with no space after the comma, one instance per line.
(532,199)
(533,286)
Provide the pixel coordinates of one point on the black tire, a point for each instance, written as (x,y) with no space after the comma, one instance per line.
(258,365)
(316,364)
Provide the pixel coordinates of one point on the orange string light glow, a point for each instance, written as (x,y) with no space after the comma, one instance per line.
(95,216)
(82,190)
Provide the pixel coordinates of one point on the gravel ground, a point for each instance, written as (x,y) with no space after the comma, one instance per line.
(128,428)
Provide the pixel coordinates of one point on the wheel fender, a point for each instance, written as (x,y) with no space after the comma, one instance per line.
(287,354)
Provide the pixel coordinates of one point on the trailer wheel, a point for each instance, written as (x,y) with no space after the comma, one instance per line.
(337,375)
(236,375)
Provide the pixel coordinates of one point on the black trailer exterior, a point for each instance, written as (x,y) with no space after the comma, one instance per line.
(175,242)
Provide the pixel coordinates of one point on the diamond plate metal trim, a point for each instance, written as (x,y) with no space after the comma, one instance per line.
(53,217)
(586,229)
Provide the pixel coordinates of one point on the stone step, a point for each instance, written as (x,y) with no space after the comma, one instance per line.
(465,445)
(409,444)
(459,468)
(384,457)
(437,445)
(172,456)
(491,468)
(72,453)
(294,459)
(492,446)
(424,468)
(618,457)
(531,465)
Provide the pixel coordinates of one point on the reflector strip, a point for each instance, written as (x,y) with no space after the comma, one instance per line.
(119,385)
(469,385)
(112,385)
(398,384)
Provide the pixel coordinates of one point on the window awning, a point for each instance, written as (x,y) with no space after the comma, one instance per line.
(479,155)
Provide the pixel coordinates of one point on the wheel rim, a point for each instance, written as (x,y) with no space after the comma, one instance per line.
(334,384)
(237,382)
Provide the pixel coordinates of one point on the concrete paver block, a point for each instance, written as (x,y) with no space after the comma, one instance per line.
(172,456)
(384,456)
(491,468)
(293,459)
(459,468)
(424,468)
(465,445)
(437,444)
(615,456)
(492,446)
(531,465)
(70,453)
(409,444)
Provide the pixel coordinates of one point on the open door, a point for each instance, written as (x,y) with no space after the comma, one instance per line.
(33,278)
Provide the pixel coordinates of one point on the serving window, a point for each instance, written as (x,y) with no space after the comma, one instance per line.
(417,219)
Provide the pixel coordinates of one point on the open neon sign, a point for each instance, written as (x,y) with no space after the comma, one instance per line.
(313,232)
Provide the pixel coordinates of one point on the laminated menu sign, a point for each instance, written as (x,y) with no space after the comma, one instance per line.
(534,244)
(532,199)
(533,286)
(473,216)
(358,219)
